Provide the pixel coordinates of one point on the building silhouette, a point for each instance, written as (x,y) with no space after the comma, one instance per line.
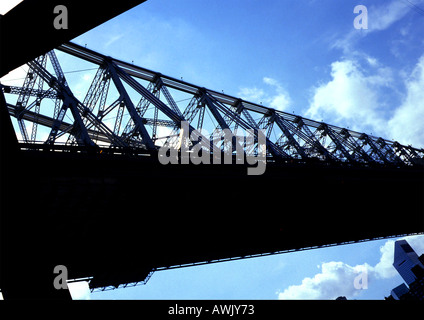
(405,261)
(411,268)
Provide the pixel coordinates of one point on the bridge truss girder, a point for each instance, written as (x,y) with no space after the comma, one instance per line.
(120,100)
(143,105)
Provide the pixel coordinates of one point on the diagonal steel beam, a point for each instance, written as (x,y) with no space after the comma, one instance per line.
(130,106)
(78,108)
(69,101)
(340,146)
(291,139)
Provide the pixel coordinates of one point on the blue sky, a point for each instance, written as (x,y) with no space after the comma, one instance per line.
(300,56)
(314,274)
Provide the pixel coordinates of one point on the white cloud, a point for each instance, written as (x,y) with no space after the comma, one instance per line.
(383,16)
(252,94)
(360,100)
(406,125)
(278,99)
(380,18)
(384,268)
(350,97)
(337,278)
(113,39)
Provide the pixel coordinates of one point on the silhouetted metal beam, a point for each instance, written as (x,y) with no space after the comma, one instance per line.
(27,31)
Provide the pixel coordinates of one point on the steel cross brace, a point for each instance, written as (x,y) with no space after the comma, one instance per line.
(112,69)
(339,145)
(24,95)
(39,93)
(388,151)
(375,149)
(176,118)
(410,154)
(292,141)
(308,136)
(359,154)
(161,86)
(69,101)
(214,105)
(78,107)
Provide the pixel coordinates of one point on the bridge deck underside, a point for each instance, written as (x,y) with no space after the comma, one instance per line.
(115,218)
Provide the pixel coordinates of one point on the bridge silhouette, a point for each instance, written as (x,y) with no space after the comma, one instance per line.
(83,184)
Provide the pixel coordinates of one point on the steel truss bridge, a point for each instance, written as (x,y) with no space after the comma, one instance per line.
(117,214)
(125,105)
(82,185)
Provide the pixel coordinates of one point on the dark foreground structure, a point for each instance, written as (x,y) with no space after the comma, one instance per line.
(101,203)
(410,267)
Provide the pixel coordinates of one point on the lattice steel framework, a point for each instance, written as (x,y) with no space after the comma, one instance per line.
(129,107)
